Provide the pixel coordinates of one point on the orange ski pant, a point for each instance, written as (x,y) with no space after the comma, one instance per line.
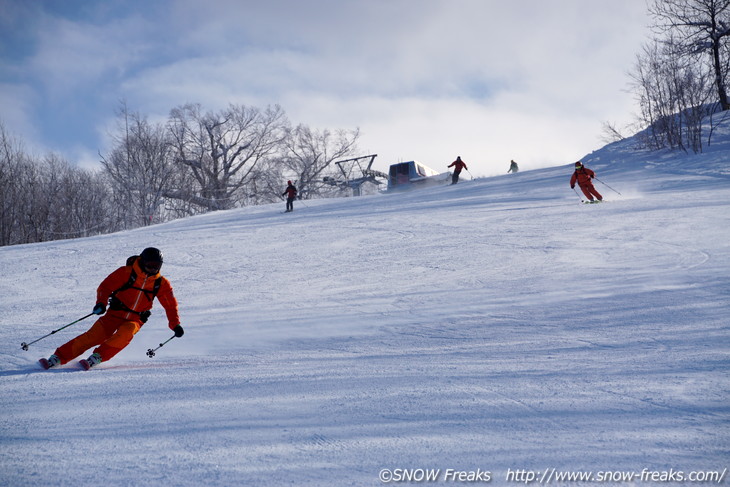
(110,334)
(590,191)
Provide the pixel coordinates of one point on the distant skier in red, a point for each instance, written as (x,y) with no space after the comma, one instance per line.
(583,176)
(130,291)
(291,193)
(458,165)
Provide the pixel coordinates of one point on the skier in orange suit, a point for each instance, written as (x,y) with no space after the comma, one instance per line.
(458,165)
(130,291)
(583,176)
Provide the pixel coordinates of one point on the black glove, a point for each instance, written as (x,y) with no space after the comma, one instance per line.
(572,187)
(178,331)
(99,309)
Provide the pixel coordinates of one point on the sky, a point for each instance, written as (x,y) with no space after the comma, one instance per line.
(425,80)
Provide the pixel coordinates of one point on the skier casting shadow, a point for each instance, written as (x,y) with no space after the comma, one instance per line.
(130,291)
(583,176)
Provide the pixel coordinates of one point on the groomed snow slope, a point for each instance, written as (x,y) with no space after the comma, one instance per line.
(496,325)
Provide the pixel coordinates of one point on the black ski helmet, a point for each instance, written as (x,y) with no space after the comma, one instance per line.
(151,254)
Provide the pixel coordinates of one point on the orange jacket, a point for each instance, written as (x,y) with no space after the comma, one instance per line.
(458,166)
(139,297)
(583,176)
(290,192)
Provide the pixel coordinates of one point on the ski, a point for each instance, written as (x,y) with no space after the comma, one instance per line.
(593,202)
(85,364)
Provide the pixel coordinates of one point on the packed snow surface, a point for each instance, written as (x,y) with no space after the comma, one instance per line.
(497,327)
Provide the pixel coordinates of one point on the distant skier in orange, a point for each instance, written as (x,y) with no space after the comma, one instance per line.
(458,165)
(291,194)
(583,176)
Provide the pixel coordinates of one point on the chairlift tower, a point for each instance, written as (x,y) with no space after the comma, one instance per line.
(356,172)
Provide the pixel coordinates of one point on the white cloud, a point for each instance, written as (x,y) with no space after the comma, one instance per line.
(436,131)
(16,103)
(423,79)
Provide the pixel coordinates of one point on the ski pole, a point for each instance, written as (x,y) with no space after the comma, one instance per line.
(609,187)
(472,177)
(151,352)
(579,196)
(25,346)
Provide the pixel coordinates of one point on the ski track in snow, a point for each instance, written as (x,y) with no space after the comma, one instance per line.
(496,324)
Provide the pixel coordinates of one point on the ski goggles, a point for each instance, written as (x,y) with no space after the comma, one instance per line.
(152,267)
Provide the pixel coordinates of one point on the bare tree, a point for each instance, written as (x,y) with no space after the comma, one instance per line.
(309,155)
(47,199)
(672,91)
(83,205)
(265,183)
(12,164)
(140,168)
(196,162)
(702,27)
(221,150)
(73,202)
(610,133)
